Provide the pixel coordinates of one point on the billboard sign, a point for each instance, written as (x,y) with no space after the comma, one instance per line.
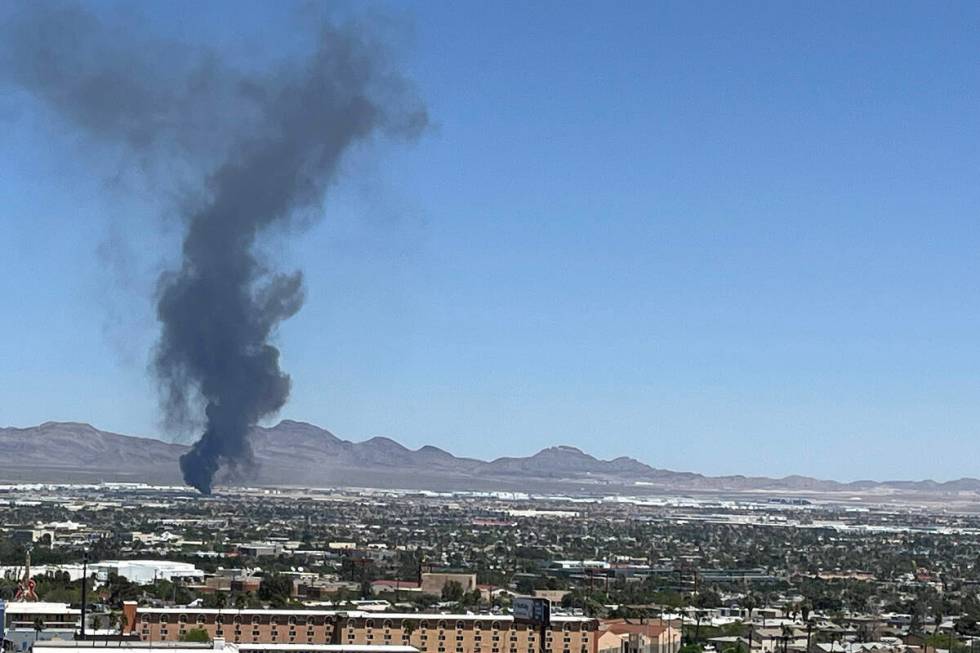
(531,610)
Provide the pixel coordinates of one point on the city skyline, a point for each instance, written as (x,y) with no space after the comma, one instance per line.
(736,241)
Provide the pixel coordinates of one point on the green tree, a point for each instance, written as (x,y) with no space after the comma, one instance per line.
(472,598)
(196,635)
(525,585)
(452,591)
(215,600)
(276,589)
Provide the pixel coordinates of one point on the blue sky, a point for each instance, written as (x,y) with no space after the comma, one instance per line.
(719,237)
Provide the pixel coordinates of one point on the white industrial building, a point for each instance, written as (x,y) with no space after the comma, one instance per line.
(145,572)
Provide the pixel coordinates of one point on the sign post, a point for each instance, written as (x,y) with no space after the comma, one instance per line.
(534,611)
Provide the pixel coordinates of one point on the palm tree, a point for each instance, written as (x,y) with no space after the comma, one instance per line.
(113,620)
(750,603)
(787,634)
(38,627)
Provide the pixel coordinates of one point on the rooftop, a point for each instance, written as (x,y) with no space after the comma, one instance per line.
(217,645)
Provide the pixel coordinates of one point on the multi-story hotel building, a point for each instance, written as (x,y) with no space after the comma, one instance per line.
(239,626)
(429,633)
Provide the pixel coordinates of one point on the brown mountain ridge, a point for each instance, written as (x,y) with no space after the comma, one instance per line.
(293,453)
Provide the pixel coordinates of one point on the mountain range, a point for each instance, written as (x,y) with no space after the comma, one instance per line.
(295,453)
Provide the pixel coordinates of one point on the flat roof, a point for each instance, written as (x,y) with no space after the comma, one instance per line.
(39,607)
(129,645)
(337,648)
(459,617)
(234,611)
(358,614)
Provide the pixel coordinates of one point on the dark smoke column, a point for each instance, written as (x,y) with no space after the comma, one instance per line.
(249,148)
(219,309)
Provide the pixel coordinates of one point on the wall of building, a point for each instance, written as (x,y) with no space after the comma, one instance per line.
(240,626)
(435,633)
(432,583)
(430,633)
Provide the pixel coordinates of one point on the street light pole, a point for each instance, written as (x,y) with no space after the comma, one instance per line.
(84,590)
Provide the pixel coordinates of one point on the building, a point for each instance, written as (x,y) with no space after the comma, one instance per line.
(27,622)
(231,580)
(407,586)
(434,582)
(466,633)
(754,575)
(652,636)
(145,572)
(217,645)
(429,633)
(253,626)
(260,549)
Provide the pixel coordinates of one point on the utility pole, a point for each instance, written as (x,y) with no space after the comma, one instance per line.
(84,590)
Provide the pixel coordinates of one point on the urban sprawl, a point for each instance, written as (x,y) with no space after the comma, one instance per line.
(377,571)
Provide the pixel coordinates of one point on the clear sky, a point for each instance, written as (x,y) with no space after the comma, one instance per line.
(718,237)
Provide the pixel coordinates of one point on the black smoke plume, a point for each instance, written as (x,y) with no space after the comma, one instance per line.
(262,144)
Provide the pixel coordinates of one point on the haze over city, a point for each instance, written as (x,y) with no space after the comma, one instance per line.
(736,241)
